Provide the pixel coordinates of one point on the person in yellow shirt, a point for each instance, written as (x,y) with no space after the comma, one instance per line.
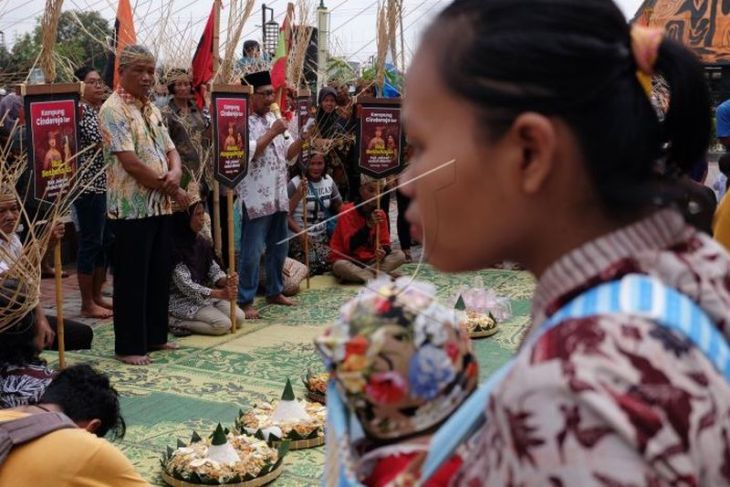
(65,458)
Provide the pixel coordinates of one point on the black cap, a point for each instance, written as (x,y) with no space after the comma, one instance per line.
(262,78)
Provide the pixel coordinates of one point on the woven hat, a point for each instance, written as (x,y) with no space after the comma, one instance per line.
(401,361)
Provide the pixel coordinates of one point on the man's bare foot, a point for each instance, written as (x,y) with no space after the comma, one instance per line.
(281,300)
(165,346)
(133,359)
(250,312)
(95,311)
(100,301)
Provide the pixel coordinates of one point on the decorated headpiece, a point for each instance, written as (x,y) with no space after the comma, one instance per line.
(7,195)
(135,54)
(401,361)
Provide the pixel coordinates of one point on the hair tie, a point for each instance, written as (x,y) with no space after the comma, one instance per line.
(645,42)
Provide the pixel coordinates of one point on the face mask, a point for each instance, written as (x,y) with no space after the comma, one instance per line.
(162,101)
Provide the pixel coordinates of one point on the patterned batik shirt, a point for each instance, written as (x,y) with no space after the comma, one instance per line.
(615,400)
(187,131)
(21,385)
(263,190)
(91,159)
(129,125)
(187,297)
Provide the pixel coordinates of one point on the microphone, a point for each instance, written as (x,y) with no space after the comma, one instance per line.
(277,113)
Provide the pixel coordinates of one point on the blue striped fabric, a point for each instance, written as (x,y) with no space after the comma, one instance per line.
(634,295)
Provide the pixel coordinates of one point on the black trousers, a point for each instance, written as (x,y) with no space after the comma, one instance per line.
(224,226)
(142,262)
(404,228)
(77,336)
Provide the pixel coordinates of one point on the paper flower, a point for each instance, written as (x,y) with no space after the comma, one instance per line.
(386,388)
(429,370)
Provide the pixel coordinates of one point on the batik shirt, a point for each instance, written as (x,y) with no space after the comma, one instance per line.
(187,297)
(91,160)
(187,133)
(263,190)
(615,400)
(129,125)
(21,385)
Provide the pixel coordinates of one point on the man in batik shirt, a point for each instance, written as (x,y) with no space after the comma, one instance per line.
(143,174)
(264,199)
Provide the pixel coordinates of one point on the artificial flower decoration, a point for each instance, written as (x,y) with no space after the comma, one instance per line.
(400,360)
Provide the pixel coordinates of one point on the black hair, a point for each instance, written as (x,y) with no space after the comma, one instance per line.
(572,59)
(250,44)
(82,72)
(724,164)
(84,394)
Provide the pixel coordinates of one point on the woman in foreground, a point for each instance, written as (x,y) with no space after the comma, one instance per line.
(564,167)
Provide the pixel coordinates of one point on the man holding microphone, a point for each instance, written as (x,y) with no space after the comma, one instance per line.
(263,196)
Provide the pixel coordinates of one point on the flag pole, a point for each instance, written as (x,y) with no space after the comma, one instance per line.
(217,238)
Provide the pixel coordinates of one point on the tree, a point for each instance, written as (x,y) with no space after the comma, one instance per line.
(84,43)
(78,44)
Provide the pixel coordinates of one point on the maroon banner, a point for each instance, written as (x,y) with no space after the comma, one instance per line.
(304,114)
(380,140)
(230,126)
(52,132)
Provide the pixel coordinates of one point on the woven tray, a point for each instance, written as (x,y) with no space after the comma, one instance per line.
(301,444)
(316,397)
(484,334)
(257,482)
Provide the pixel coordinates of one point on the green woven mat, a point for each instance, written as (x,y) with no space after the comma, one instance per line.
(210,378)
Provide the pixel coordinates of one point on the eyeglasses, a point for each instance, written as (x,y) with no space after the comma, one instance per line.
(95,82)
(264,93)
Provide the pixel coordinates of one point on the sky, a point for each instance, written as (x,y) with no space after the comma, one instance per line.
(352,22)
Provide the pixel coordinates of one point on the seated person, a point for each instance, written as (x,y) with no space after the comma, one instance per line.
(200,292)
(352,249)
(323,202)
(70,456)
(86,397)
(78,336)
(24,376)
(401,364)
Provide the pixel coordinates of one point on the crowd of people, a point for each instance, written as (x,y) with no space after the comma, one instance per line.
(622,377)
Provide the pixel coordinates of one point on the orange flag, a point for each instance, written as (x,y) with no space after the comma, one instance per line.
(124,35)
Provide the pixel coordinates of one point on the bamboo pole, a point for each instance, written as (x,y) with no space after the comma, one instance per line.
(402,42)
(60,335)
(217,238)
(377,227)
(306,233)
(231,256)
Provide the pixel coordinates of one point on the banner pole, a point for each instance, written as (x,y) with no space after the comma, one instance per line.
(231,257)
(377,227)
(306,233)
(60,335)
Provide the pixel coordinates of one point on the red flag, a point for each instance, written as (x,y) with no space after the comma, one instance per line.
(278,68)
(124,35)
(203,60)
